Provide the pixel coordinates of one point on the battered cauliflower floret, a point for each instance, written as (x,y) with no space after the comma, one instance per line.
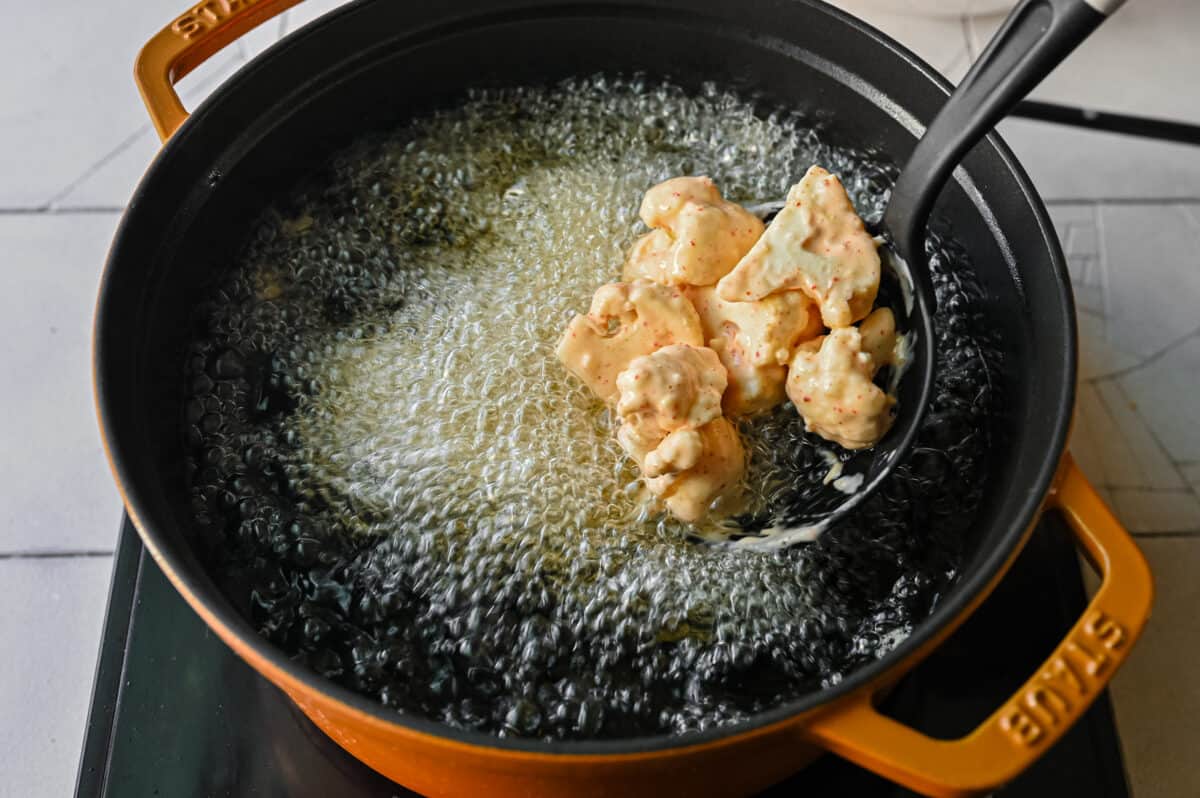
(708,273)
(716,474)
(816,244)
(830,384)
(878,337)
(697,238)
(677,387)
(768,330)
(671,425)
(626,321)
(755,341)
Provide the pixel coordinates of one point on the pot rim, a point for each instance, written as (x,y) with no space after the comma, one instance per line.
(204,596)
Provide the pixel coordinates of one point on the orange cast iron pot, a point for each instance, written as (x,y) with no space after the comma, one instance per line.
(192,192)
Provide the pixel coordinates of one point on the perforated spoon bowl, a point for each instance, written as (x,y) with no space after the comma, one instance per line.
(1033,40)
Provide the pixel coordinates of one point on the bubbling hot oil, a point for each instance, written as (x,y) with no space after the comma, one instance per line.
(397,481)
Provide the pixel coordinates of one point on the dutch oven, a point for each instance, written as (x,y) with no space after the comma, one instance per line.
(351,71)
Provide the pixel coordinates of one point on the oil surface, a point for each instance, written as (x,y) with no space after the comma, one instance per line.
(397,482)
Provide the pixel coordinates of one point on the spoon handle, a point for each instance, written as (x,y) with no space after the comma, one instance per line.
(1035,38)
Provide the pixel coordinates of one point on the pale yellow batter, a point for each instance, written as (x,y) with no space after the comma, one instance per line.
(697,235)
(671,424)
(816,244)
(626,321)
(755,341)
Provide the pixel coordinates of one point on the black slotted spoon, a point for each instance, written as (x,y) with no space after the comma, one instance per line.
(1034,39)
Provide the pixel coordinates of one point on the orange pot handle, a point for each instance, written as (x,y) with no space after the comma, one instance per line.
(1030,722)
(188,42)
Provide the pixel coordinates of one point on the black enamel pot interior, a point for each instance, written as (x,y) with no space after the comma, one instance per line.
(374,63)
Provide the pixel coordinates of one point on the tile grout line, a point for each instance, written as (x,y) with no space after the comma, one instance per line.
(1188,488)
(968,28)
(132,138)
(1097,215)
(68,211)
(1092,201)
(1155,357)
(55,555)
(1125,438)
(1192,219)
(947,69)
(106,159)
(1188,485)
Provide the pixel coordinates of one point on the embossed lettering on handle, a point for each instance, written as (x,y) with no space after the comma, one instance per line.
(1046,705)
(1072,675)
(187,42)
(206,16)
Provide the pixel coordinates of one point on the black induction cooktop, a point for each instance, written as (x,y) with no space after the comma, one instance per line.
(176,714)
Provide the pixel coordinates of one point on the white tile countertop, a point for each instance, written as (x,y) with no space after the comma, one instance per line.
(74,140)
